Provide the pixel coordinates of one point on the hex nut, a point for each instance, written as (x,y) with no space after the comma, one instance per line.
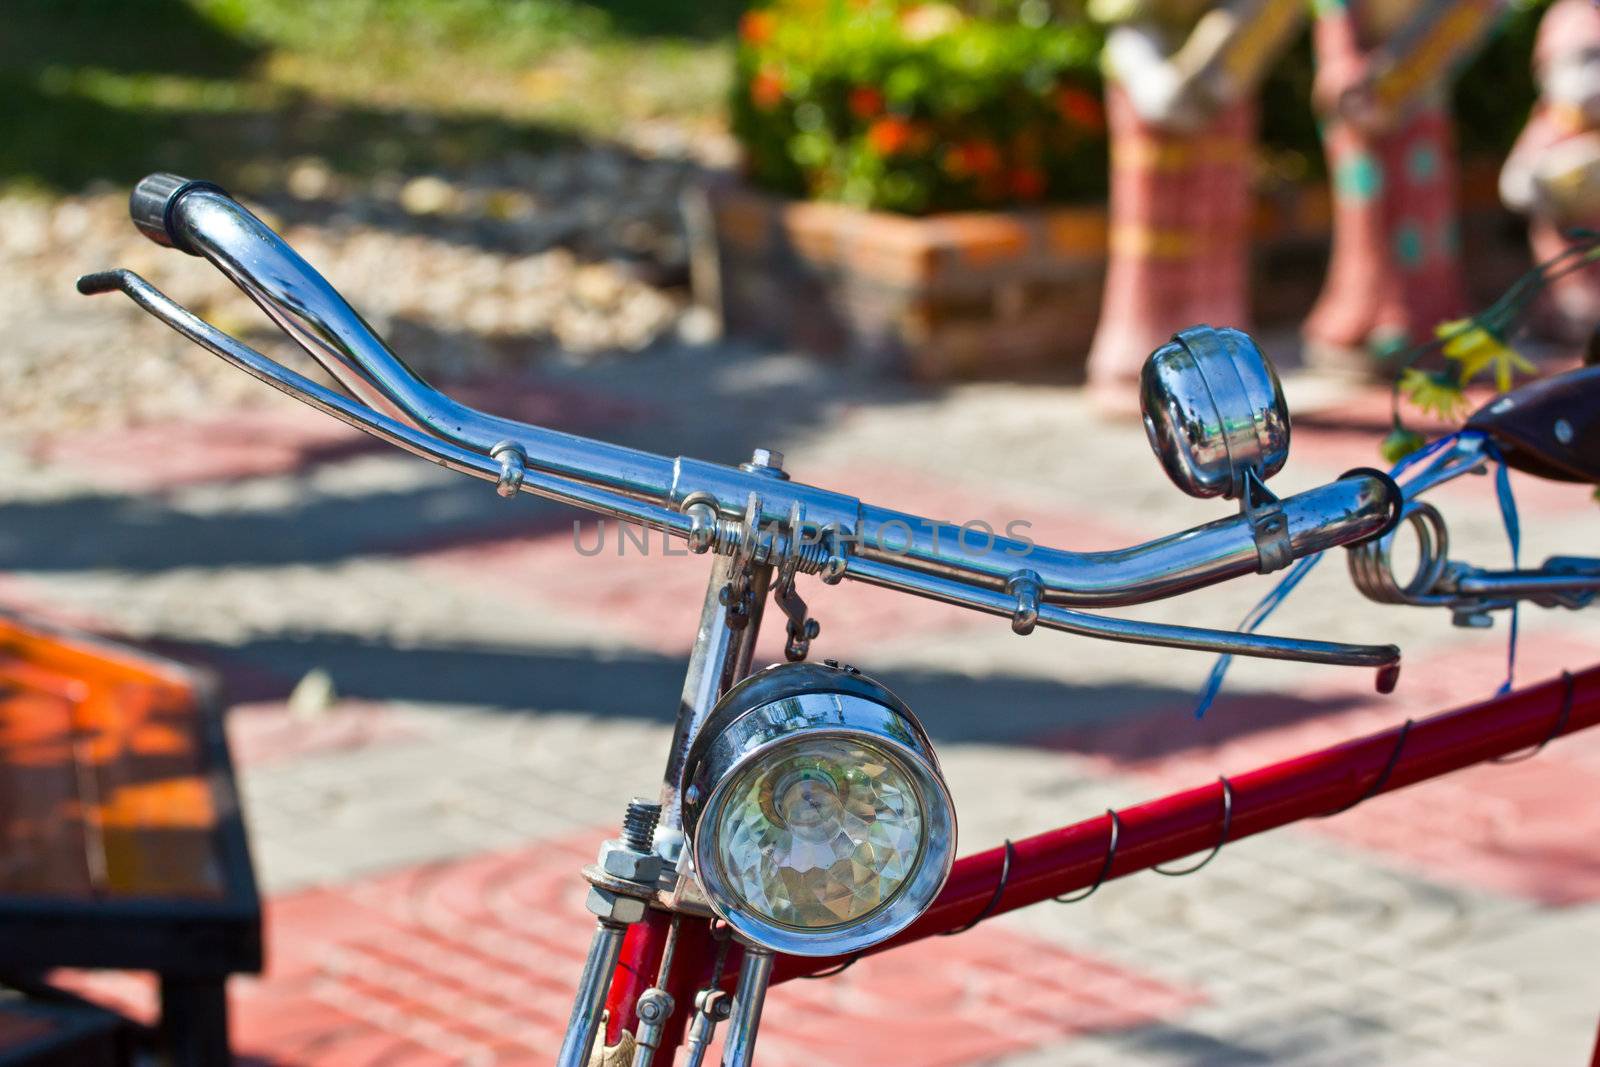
(616,907)
(653,1006)
(620,861)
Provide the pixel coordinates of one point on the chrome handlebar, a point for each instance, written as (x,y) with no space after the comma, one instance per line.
(751,509)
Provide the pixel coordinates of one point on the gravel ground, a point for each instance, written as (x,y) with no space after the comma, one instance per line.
(566,255)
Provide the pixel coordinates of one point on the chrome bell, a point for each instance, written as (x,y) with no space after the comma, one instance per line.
(1214,412)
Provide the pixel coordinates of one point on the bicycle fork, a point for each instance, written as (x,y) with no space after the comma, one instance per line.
(615,1022)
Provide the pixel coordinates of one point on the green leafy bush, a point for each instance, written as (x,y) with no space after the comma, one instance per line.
(918,108)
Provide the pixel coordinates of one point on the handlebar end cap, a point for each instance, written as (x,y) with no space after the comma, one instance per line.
(152,201)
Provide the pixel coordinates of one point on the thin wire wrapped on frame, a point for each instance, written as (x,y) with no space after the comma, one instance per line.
(1222,838)
(1105,868)
(999,891)
(1381,780)
(839,969)
(1555,731)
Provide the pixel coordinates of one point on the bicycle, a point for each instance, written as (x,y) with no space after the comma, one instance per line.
(803,819)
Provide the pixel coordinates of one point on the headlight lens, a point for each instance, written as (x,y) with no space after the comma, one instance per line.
(818,820)
(822,835)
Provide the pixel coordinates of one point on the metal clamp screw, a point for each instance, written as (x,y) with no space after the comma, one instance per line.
(653,1007)
(768,461)
(1027,587)
(701,509)
(837,559)
(712,1006)
(513,468)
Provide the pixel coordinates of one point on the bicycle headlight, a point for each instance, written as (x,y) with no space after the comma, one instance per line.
(818,819)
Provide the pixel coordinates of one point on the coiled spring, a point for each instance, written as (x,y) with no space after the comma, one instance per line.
(811,553)
(1372,563)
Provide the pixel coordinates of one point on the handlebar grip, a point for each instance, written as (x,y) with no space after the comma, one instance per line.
(152,202)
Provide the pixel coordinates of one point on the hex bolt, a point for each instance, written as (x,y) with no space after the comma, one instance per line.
(767,457)
(639,824)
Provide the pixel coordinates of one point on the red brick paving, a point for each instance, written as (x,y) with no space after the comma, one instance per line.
(459,961)
(285,438)
(246,444)
(963,1000)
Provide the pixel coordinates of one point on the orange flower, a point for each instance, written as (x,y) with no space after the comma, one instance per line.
(866,102)
(1080,107)
(1028,183)
(890,136)
(766,89)
(978,158)
(756,27)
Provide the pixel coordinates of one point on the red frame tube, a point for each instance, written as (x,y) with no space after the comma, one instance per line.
(693,961)
(1316,783)
(1070,858)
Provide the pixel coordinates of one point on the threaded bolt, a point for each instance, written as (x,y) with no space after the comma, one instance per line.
(639,824)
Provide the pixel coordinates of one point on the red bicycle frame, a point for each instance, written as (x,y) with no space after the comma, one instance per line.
(1218,431)
(1075,857)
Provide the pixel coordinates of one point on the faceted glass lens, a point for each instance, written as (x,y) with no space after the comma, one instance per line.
(819,834)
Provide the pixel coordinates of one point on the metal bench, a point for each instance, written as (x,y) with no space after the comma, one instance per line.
(121,842)
(60,1031)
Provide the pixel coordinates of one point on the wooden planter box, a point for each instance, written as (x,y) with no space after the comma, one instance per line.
(985,294)
(947,296)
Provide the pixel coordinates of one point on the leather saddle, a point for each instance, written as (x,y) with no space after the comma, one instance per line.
(1549,428)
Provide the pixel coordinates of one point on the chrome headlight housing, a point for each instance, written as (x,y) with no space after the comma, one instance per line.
(818,819)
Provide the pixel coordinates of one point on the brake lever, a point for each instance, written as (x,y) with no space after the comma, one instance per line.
(1022,606)
(392,431)
(680,523)
(686,497)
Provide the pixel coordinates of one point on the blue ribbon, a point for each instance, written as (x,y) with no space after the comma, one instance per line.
(1508,516)
(1303,567)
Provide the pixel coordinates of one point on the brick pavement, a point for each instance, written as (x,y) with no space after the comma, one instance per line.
(500,697)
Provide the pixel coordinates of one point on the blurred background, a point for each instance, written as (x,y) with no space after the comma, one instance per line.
(512,169)
(438,707)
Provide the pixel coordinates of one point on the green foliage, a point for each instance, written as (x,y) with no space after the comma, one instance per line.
(919,108)
(1400,443)
(505,32)
(237,89)
(113,88)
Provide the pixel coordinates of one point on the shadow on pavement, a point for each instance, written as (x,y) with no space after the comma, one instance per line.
(1129,722)
(714,404)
